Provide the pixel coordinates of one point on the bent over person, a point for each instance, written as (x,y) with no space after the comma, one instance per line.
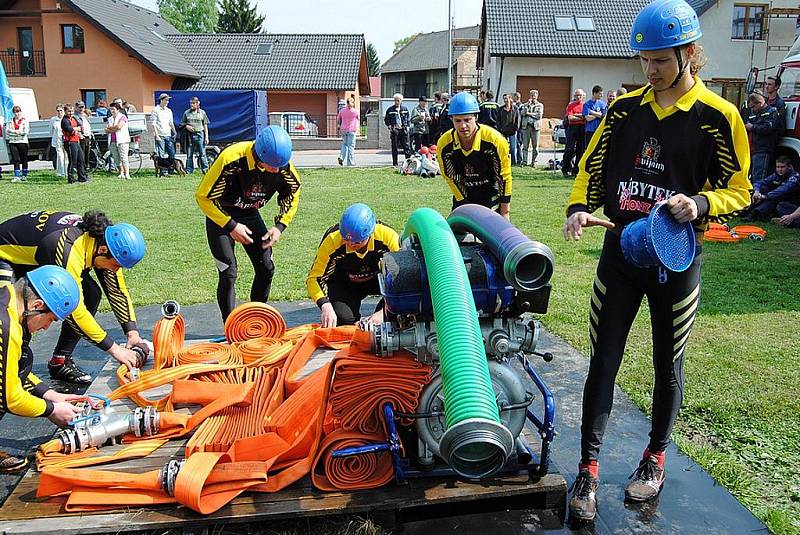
(80,245)
(674,141)
(32,304)
(475,159)
(346,267)
(243,178)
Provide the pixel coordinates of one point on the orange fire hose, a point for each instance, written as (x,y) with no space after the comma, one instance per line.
(254,320)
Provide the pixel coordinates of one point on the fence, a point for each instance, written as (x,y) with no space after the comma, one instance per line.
(23,62)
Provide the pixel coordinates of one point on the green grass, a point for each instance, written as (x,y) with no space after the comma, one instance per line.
(741,419)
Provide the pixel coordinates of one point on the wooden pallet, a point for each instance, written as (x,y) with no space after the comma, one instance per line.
(22,512)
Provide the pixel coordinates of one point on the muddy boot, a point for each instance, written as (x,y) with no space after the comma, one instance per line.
(582,502)
(647,480)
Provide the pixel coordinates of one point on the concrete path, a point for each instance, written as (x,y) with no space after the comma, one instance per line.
(690,503)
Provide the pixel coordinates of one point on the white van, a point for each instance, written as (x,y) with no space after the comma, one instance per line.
(25,99)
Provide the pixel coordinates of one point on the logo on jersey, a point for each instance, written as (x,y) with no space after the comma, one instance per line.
(647,160)
(70,219)
(635,196)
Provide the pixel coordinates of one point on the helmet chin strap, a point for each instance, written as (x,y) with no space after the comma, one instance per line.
(681,67)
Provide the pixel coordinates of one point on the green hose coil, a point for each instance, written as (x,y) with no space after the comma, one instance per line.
(475,442)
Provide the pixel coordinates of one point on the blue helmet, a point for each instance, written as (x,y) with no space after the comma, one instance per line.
(358,223)
(463,103)
(273,146)
(665,24)
(57,288)
(125,243)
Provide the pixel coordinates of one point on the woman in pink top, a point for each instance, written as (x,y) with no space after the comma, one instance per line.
(348,121)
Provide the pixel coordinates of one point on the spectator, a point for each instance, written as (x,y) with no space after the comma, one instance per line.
(195,123)
(532,113)
(421,123)
(57,143)
(444,118)
(71,131)
(163,128)
(128,107)
(482,96)
(348,119)
(781,186)
(516,99)
(573,150)
(762,124)
(17,136)
(771,86)
(102,109)
(397,121)
(119,139)
(436,112)
(119,101)
(611,96)
(593,112)
(509,125)
(81,113)
(621,91)
(489,111)
(788,215)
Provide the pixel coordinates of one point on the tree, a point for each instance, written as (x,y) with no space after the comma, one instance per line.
(238,16)
(190,16)
(403,42)
(373,63)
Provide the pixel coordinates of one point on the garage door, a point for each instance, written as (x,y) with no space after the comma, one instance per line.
(554,92)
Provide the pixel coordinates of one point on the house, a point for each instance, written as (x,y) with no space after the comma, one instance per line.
(70,50)
(300,72)
(557,46)
(420,67)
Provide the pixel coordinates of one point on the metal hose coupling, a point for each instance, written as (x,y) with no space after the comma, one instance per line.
(170,309)
(476,448)
(169,474)
(98,428)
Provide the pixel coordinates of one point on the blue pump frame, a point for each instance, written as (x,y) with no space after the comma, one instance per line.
(537,466)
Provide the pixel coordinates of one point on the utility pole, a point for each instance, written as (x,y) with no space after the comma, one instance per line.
(450,46)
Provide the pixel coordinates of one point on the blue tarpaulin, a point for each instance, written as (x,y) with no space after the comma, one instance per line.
(233,115)
(6,104)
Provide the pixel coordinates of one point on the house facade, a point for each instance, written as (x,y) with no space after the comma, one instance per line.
(70,50)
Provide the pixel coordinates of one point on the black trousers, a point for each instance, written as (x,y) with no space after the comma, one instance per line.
(222,249)
(617,293)
(76,163)
(346,299)
(573,151)
(399,144)
(70,334)
(420,140)
(19,156)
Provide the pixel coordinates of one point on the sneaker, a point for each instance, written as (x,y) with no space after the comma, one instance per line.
(11,463)
(69,372)
(646,481)
(16,179)
(583,503)
(340,161)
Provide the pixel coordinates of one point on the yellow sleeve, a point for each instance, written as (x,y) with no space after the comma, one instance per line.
(212,187)
(323,266)
(288,195)
(81,319)
(504,172)
(589,187)
(16,399)
(728,187)
(444,157)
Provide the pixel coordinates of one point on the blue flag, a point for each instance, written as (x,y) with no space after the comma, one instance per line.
(6,104)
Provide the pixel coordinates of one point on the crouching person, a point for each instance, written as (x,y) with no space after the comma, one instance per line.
(345,270)
(32,304)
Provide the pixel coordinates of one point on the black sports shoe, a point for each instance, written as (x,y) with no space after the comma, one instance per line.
(69,372)
(11,463)
(646,481)
(582,503)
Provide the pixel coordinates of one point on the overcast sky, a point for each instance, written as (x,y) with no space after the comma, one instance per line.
(381,21)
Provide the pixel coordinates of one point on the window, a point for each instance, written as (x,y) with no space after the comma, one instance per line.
(748,21)
(71,39)
(264,49)
(585,24)
(565,23)
(92,96)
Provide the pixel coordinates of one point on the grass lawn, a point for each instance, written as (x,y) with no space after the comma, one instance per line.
(741,419)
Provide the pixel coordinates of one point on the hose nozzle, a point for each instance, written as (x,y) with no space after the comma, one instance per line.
(170,309)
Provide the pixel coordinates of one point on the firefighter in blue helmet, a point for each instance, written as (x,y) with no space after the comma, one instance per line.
(671,141)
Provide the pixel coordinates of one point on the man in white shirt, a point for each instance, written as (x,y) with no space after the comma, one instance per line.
(163,128)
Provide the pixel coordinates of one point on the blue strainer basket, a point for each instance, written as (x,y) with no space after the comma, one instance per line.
(659,240)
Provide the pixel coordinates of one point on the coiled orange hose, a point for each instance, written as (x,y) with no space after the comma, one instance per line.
(254,320)
(208,352)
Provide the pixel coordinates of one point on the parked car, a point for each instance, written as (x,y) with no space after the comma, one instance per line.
(297,123)
(559,134)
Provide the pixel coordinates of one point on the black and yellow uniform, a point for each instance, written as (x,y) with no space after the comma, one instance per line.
(480,174)
(53,238)
(643,154)
(232,191)
(22,390)
(342,276)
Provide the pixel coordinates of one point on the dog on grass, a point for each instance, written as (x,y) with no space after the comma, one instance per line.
(167,166)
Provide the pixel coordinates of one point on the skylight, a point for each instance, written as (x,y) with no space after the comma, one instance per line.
(585,24)
(263,49)
(564,23)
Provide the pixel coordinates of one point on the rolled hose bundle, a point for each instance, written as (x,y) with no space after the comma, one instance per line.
(262,351)
(254,320)
(365,471)
(168,338)
(475,442)
(209,352)
(527,265)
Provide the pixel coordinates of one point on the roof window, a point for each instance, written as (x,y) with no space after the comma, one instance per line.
(263,49)
(565,23)
(585,24)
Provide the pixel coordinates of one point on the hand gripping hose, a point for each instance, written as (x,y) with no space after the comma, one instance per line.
(527,264)
(475,443)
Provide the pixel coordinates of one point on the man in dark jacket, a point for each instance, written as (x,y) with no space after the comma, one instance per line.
(72,130)
(489,111)
(780,187)
(508,125)
(762,124)
(397,120)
